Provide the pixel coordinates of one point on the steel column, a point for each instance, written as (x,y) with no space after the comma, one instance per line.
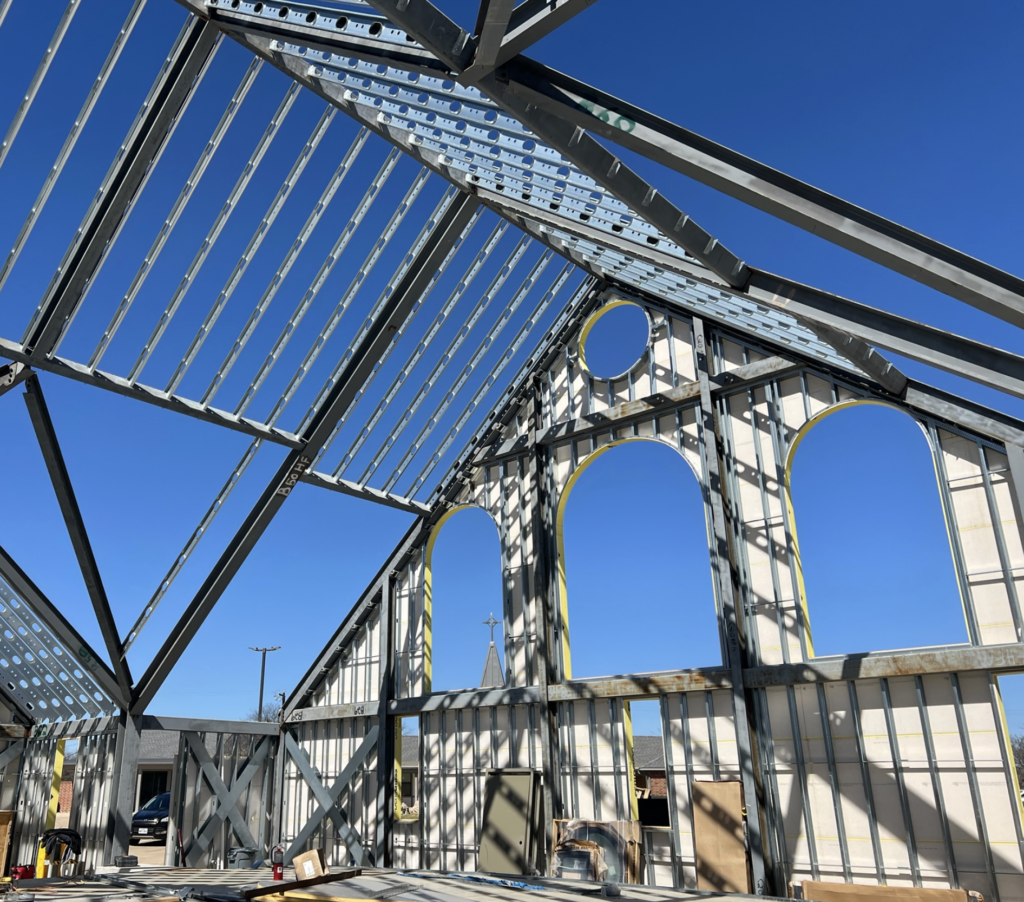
(386,742)
(730,621)
(122,791)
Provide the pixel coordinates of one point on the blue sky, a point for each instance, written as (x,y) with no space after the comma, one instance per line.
(907,109)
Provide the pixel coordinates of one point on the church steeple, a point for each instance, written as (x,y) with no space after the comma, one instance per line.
(493,677)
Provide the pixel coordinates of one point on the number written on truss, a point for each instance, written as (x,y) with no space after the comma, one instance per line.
(620,122)
(88,661)
(294,475)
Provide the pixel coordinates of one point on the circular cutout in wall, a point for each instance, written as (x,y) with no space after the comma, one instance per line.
(614,339)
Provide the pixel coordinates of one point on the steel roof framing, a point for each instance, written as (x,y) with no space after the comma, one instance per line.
(372,345)
(766,290)
(170,94)
(563,110)
(454,102)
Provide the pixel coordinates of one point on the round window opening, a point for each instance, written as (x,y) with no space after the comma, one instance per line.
(614,339)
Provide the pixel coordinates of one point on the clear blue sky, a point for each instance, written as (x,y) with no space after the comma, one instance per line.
(907,109)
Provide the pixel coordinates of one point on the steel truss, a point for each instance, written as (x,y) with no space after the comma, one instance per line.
(477,98)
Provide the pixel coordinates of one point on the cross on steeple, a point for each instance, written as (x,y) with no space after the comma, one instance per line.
(492,623)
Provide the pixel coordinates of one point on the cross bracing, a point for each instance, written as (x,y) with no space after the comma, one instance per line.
(395,296)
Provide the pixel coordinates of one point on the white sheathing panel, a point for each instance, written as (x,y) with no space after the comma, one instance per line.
(1004,493)
(757,503)
(658,870)
(456,750)
(559,391)
(405,849)
(355,676)
(409,648)
(681,349)
(731,355)
(974,527)
(924,745)
(330,745)
(513,515)
(593,742)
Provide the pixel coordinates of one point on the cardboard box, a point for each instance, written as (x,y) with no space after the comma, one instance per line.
(309,864)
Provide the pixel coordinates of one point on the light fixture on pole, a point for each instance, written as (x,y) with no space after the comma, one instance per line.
(263,673)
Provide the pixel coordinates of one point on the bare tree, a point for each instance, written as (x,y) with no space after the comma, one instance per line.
(1017,747)
(271,713)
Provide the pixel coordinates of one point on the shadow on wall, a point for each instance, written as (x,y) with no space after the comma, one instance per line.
(877,565)
(465,588)
(637,565)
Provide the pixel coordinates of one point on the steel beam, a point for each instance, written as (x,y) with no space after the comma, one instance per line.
(69,729)
(366,354)
(526,88)
(203,725)
(643,686)
(973,360)
(355,490)
(126,178)
(883,371)
(531,21)
(62,487)
(854,228)
(491,25)
(544,552)
(469,698)
(986,658)
(967,414)
(119,385)
(63,631)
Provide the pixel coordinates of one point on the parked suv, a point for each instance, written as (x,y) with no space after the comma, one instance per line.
(151,818)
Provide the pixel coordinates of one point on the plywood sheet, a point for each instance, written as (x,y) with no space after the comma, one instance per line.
(719,839)
(6,817)
(850,892)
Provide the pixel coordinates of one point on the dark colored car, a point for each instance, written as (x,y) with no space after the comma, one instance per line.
(151,819)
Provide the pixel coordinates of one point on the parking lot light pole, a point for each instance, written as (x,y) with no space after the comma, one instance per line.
(263,673)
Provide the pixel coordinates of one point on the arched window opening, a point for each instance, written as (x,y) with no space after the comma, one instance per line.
(464,589)
(639,595)
(877,569)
